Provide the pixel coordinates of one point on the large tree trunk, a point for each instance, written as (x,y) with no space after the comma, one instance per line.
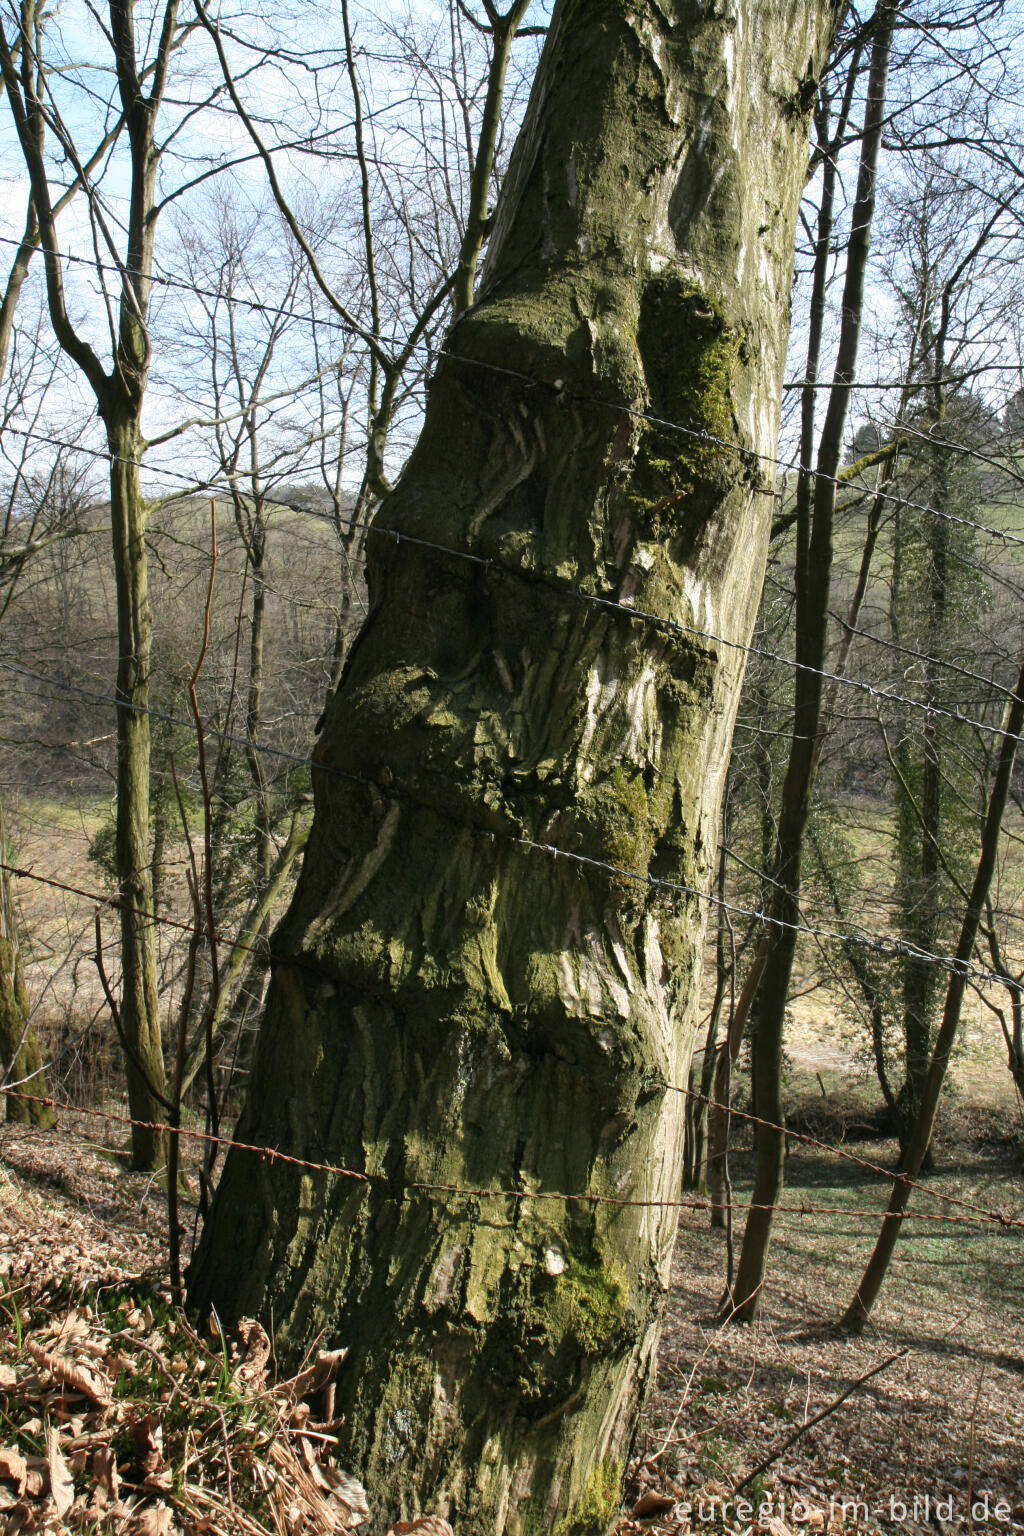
(456,1007)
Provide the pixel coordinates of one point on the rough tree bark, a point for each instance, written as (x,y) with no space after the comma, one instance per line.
(450,1006)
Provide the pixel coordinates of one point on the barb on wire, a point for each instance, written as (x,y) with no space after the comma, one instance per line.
(982,1213)
(644,616)
(876,944)
(376,339)
(488,1192)
(846,1156)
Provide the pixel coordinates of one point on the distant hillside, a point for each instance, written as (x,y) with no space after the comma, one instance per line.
(61,625)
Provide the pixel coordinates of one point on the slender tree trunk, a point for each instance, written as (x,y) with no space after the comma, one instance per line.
(119,395)
(699,1097)
(921,830)
(262,842)
(722,1089)
(503,30)
(139,1004)
(27,248)
(248,958)
(455,1006)
(919,1141)
(21,1060)
(813,585)
(1014,1034)
(869,985)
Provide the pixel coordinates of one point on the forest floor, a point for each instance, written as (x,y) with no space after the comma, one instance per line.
(936,1434)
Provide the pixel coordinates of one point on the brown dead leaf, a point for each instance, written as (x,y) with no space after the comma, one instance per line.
(252,1368)
(8,1378)
(35,1483)
(349,1492)
(105,1476)
(69,1374)
(425,1525)
(13,1467)
(154,1520)
(650,1504)
(148,1436)
(71,1328)
(159,1480)
(315,1377)
(22,1517)
(62,1487)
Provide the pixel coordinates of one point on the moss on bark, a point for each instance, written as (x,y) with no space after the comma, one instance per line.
(461,1010)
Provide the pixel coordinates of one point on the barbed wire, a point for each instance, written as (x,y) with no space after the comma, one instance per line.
(560,390)
(272,311)
(301,962)
(894,948)
(638,615)
(399,343)
(488,1192)
(36,826)
(841,1152)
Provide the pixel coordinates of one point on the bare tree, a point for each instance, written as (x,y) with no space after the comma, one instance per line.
(140,60)
(816,501)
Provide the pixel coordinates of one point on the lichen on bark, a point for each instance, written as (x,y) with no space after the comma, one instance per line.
(485,1030)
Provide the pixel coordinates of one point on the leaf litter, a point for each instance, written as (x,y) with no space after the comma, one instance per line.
(116,1416)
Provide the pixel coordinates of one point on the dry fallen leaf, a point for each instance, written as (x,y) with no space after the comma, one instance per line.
(777,1527)
(21,1518)
(89,1383)
(154,1520)
(650,1504)
(251,1369)
(104,1471)
(13,1467)
(350,1492)
(62,1487)
(149,1439)
(315,1377)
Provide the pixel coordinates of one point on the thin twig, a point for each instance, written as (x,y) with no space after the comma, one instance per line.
(798,1434)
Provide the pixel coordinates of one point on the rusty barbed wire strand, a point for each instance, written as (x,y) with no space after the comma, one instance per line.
(841,1152)
(488,1192)
(981,1213)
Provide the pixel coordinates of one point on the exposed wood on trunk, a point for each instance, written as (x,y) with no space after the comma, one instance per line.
(470,1012)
